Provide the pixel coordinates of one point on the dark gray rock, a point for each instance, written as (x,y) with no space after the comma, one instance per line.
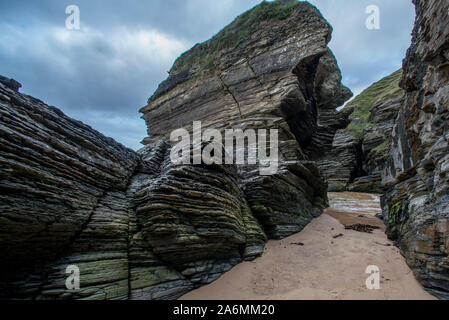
(10,83)
(360,151)
(281,76)
(71,196)
(416,206)
(136,225)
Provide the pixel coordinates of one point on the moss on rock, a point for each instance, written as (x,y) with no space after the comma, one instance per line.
(233,35)
(382,90)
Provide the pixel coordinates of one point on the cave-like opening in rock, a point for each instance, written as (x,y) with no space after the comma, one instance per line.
(299,106)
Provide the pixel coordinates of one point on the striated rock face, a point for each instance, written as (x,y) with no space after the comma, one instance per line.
(191,213)
(10,83)
(376,143)
(55,173)
(280,75)
(416,206)
(342,164)
(360,151)
(136,225)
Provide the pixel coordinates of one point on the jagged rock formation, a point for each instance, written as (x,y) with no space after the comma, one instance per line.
(136,225)
(360,151)
(416,206)
(10,83)
(56,172)
(280,75)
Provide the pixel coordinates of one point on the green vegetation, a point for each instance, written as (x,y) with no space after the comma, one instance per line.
(383,147)
(396,209)
(357,129)
(384,89)
(234,34)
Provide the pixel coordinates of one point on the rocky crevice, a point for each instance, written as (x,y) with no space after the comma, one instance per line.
(228,90)
(415,206)
(139,227)
(114,246)
(136,225)
(360,151)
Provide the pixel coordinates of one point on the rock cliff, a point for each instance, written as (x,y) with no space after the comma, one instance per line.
(10,83)
(360,151)
(271,69)
(56,174)
(136,225)
(416,206)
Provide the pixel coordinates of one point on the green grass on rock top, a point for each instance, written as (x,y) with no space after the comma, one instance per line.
(384,89)
(234,34)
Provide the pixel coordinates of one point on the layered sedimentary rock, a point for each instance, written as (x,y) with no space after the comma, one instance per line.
(342,164)
(136,225)
(279,75)
(360,151)
(416,206)
(55,173)
(10,83)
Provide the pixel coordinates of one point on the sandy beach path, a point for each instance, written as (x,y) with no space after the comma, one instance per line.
(324,261)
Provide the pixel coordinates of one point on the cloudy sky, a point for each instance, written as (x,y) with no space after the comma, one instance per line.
(103,73)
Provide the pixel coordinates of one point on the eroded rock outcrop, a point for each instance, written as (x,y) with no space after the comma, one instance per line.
(72,197)
(271,69)
(361,150)
(10,83)
(416,206)
(136,225)
(55,173)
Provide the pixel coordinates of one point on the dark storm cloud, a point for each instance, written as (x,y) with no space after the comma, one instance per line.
(103,73)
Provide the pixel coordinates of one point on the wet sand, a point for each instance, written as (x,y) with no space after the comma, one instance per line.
(323,262)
